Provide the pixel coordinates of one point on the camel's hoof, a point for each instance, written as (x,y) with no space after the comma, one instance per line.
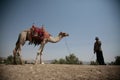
(42,63)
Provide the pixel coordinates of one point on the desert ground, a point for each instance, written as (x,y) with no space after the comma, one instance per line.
(59,72)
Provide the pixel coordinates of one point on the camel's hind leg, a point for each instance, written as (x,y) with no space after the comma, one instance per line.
(19,54)
(15,51)
(14,56)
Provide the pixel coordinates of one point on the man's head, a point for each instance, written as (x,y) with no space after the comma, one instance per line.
(96,38)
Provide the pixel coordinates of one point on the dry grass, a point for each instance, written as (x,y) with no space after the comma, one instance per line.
(58,72)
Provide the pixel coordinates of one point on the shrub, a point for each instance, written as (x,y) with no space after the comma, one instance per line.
(71,59)
(62,61)
(93,63)
(9,60)
(55,61)
(117,60)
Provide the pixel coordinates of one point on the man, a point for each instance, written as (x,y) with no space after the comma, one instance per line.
(98,51)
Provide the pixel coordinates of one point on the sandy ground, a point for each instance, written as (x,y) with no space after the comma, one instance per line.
(58,72)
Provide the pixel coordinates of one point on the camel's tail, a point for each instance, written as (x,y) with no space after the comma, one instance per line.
(18,39)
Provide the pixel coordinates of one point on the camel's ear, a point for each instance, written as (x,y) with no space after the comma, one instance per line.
(67,35)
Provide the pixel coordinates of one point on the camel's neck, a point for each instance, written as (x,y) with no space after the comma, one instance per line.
(55,39)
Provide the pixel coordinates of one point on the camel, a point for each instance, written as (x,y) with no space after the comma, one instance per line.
(26,36)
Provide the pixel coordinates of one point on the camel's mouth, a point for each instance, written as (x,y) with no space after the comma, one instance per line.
(67,34)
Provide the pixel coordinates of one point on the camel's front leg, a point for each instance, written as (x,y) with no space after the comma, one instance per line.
(40,50)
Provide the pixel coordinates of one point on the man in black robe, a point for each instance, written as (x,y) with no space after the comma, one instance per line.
(98,51)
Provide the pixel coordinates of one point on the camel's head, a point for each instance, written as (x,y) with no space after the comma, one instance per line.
(63,34)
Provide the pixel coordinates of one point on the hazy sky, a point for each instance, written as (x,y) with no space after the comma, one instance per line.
(82,19)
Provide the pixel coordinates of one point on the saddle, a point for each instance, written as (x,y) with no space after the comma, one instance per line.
(38,34)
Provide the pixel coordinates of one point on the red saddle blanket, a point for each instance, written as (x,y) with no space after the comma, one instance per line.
(39,33)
